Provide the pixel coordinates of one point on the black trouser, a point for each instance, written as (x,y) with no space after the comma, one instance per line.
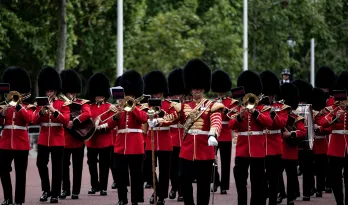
(135,164)
(306,163)
(336,164)
(320,162)
(20,158)
(147,168)
(273,166)
(257,179)
(104,166)
(225,156)
(77,155)
(42,160)
(162,183)
(200,170)
(174,171)
(290,167)
(113,169)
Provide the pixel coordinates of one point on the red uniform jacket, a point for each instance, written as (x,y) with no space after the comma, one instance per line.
(129,138)
(195,145)
(339,136)
(52,124)
(320,144)
(71,142)
(15,132)
(226,133)
(289,152)
(251,139)
(176,131)
(330,101)
(101,138)
(273,134)
(162,136)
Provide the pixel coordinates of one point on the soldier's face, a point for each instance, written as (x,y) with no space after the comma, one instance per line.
(99,98)
(285,77)
(178,97)
(197,93)
(71,95)
(50,93)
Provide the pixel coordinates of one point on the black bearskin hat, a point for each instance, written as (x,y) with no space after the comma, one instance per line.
(220,82)
(176,82)
(18,78)
(71,81)
(117,81)
(197,75)
(132,83)
(156,82)
(289,93)
(304,89)
(342,81)
(318,99)
(250,81)
(98,85)
(270,83)
(325,78)
(49,79)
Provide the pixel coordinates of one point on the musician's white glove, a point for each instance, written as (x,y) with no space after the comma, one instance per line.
(212,141)
(102,126)
(152,123)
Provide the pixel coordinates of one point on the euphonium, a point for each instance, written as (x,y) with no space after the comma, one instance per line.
(250,101)
(13,99)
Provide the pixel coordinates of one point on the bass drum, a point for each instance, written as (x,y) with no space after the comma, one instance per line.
(305,111)
(83,131)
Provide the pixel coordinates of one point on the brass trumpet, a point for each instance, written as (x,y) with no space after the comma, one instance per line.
(250,101)
(13,99)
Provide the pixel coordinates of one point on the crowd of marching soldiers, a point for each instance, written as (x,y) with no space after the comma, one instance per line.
(279,127)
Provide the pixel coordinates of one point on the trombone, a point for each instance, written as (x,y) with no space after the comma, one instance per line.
(13,99)
(250,101)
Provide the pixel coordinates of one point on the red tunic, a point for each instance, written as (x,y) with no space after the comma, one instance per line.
(176,131)
(289,152)
(320,144)
(330,101)
(251,139)
(71,142)
(101,138)
(52,128)
(15,132)
(226,133)
(273,134)
(195,145)
(129,138)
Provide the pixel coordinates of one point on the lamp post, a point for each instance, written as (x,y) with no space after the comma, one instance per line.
(245,35)
(119,37)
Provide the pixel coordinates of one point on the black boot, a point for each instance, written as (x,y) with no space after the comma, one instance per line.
(64,194)
(103,193)
(54,200)
(152,199)
(215,188)
(148,186)
(319,194)
(223,191)
(7,202)
(160,202)
(93,191)
(172,194)
(306,198)
(328,190)
(113,186)
(74,196)
(180,198)
(280,198)
(44,196)
(122,202)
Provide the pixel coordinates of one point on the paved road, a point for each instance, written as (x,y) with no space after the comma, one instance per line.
(34,191)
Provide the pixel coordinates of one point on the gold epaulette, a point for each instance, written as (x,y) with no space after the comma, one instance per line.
(176,106)
(216,106)
(299,118)
(83,101)
(234,101)
(329,108)
(265,108)
(315,113)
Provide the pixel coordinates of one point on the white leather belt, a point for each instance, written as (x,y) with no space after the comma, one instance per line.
(129,130)
(225,122)
(161,128)
(320,137)
(52,124)
(341,132)
(176,126)
(14,127)
(198,132)
(270,132)
(250,133)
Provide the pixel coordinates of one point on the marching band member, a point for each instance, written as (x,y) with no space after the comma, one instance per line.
(129,144)
(250,148)
(52,119)
(157,85)
(202,124)
(14,142)
(177,90)
(222,84)
(279,115)
(99,147)
(75,148)
(337,151)
(305,157)
(320,144)
(294,130)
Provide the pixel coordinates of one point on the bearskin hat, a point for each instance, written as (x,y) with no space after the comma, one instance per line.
(49,79)
(176,82)
(132,83)
(318,99)
(304,89)
(197,75)
(156,82)
(289,93)
(117,81)
(98,85)
(325,78)
(341,82)
(18,78)
(220,82)
(270,83)
(250,81)
(71,81)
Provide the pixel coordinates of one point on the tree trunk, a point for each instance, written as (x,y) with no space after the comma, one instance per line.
(62,36)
